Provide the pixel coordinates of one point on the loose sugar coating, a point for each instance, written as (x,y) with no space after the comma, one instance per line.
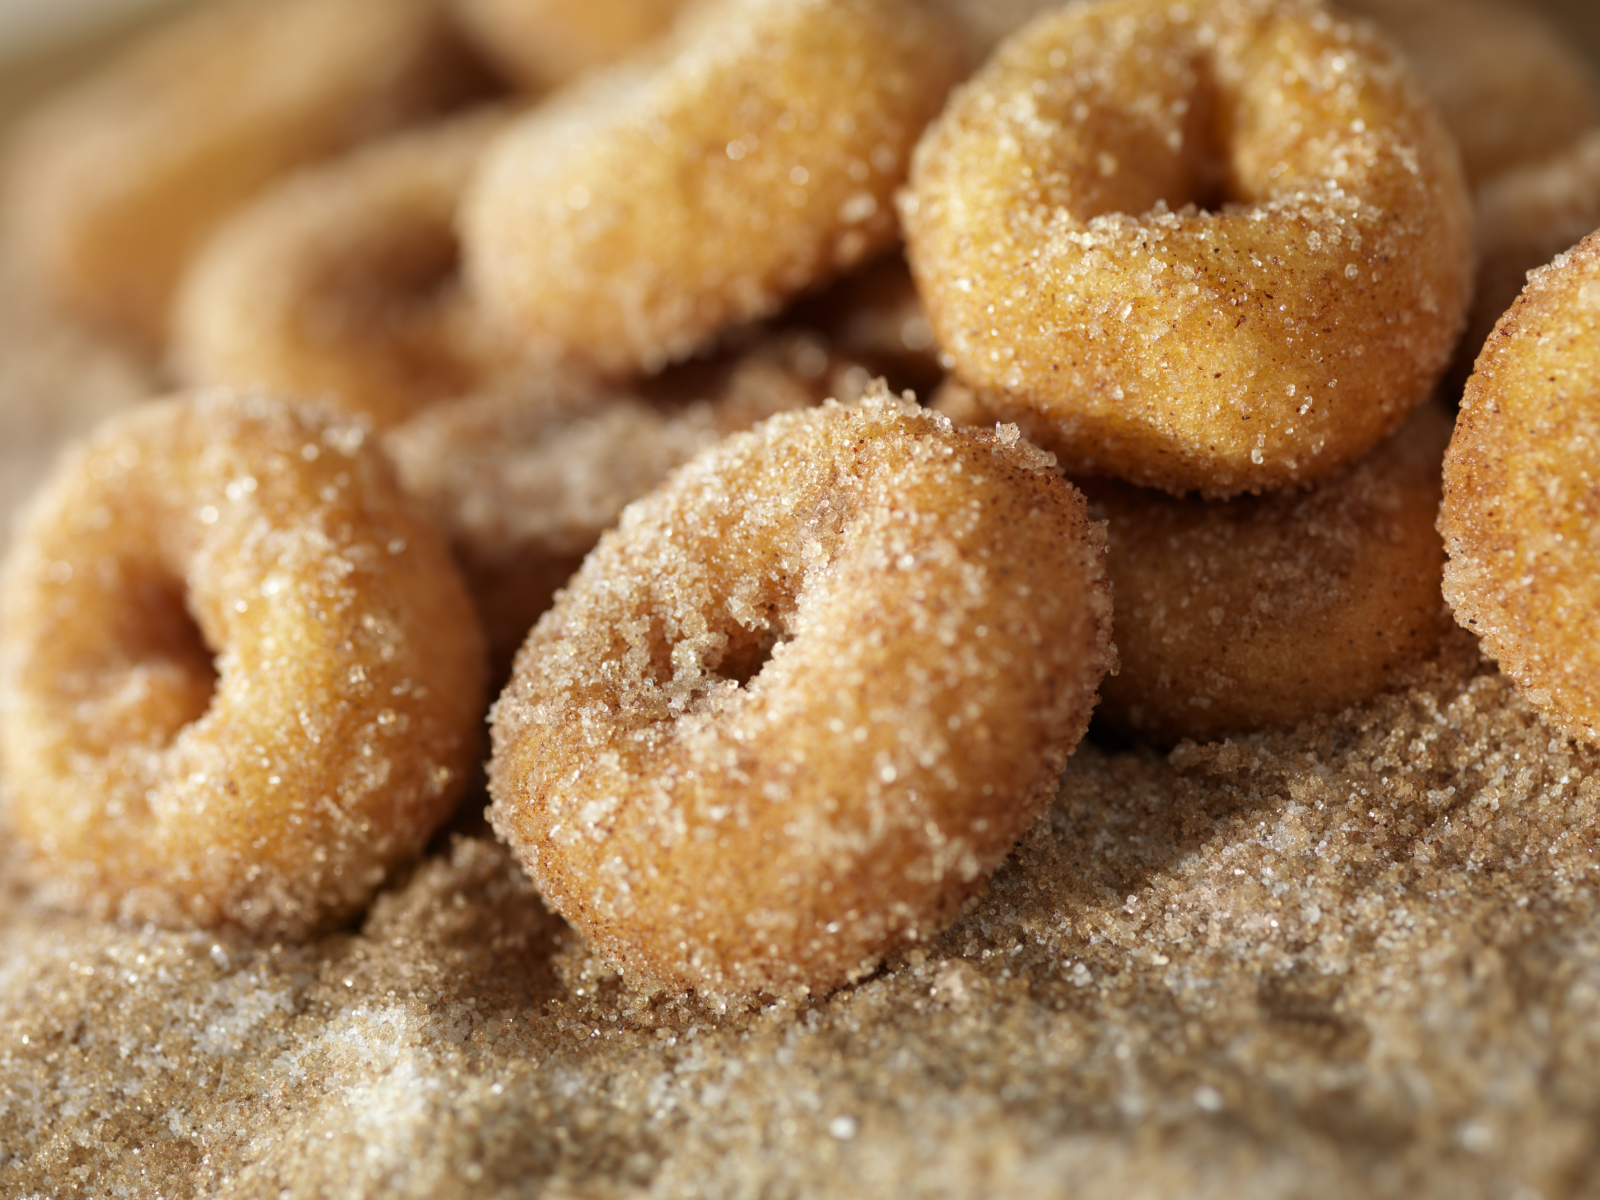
(343,283)
(752,156)
(113,186)
(543,43)
(525,482)
(800,703)
(1262,611)
(1218,247)
(1521,514)
(1509,87)
(241,679)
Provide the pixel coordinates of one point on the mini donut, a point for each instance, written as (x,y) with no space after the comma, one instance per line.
(804,698)
(1526,217)
(1522,494)
(343,283)
(240,679)
(1508,87)
(1219,247)
(754,155)
(524,482)
(543,43)
(1262,611)
(114,185)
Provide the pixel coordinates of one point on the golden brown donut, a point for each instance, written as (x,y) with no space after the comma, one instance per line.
(1522,494)
(543,43)
(628,221)
(343,282)
(112,186)
(525,481)
(1261,611)
(241,679)
(1508,87)
(1218,247)
(804,698)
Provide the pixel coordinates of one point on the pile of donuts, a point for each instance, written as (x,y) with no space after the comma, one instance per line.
(781,406)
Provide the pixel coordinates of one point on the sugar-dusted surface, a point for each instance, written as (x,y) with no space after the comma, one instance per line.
(1357,960)
(524,481)
(1219,247)
(752,155)
(804,698)
(1242,614)
(113,184)
(343,283)
(1521,515)
(240,680)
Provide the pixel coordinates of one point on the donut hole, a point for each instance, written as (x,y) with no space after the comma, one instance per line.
(1209,180)
(1136,166)
(168,673)
(398,276)
(745,657)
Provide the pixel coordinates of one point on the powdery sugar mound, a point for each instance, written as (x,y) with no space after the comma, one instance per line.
(1356,960)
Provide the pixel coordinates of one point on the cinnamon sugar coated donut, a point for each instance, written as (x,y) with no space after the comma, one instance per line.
(1262,611)
(112,186)
(343,283)
(241,680)
(794,709)
(1217,247)
(1522,494)
(754,154)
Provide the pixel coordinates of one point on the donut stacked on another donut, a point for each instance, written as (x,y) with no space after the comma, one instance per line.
(1521,514)
(800,702)
(1261,611)
(1218,247)
(241,679)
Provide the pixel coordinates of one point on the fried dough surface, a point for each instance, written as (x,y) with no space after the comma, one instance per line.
(1220,247)
(1521,514)
(799,703)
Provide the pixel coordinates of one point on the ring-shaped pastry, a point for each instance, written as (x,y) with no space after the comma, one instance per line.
(343,283)
(1522,494)
(1220,247)
(805,697)
(241,677)
(754,154)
